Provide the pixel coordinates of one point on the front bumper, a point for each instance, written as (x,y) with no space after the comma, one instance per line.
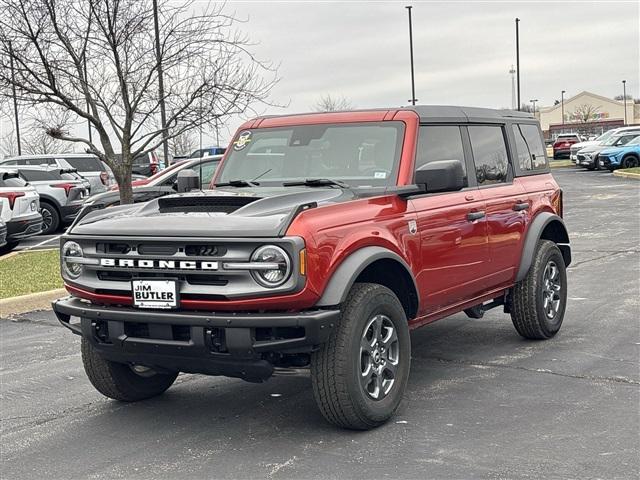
(215,343)
(24,228)
(69,212)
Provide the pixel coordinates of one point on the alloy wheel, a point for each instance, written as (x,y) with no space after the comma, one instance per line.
(552,286)
(379,357)
(46,219)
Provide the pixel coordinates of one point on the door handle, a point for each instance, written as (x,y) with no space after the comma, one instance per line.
(471,216)
(521,206)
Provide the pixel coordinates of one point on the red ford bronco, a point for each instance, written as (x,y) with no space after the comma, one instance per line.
(324,239)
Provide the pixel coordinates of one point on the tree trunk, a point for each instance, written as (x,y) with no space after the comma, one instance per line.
(123,178)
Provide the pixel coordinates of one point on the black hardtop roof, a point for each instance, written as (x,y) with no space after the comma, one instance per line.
(449,113)
(441,114)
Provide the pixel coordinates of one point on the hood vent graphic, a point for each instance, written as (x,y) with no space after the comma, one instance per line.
(222,204)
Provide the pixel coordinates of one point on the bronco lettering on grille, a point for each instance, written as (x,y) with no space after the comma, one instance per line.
(159,264)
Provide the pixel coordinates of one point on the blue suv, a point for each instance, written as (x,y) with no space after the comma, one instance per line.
(622,156)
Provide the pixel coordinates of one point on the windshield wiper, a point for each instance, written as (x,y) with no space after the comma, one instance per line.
(237,183)
(316,182)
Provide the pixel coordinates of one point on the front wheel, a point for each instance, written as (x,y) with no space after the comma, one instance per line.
(120,381)
(629,162)
(360,374)
(540,299)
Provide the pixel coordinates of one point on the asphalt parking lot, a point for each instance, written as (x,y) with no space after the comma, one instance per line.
(481,402)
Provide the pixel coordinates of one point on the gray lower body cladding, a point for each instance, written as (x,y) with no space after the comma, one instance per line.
(220,343)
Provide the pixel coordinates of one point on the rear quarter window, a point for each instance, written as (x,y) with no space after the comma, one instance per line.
(86,164)
(529,148)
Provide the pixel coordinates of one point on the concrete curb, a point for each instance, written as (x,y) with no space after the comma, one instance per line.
(28,303)
(622,173)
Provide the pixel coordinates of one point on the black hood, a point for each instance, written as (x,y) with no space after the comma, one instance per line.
(241,212)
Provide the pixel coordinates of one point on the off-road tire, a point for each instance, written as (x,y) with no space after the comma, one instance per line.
(527,312)
(119,381)
(49,209)
(336,366)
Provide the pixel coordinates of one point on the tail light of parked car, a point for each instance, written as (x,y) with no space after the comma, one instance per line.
(153,168)
(11,196)
(104,178)
(67,187)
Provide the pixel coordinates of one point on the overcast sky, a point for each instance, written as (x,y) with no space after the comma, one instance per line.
(463,50)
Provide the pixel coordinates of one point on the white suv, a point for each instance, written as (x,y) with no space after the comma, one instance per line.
(20,209)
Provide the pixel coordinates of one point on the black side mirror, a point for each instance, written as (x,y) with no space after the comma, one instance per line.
(187,180)
(441,176)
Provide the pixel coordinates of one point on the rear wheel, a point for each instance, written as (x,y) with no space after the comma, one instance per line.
(121,381)
(540,299)
(50,218)
(360,374)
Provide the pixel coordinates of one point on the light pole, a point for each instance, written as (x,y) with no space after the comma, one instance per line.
(15,98)
(624,99)
(413,99)
(533,102)
(562,104)
(518,59)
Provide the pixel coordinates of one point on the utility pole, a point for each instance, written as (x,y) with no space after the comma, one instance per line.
(15,99)
(562,104)
(533,102)
(163,113)
(518,58)
(413,99)
(84,64)
(624,99)
(512,72)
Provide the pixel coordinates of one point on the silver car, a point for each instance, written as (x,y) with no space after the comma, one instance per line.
(19,209)
(89,166)
(60,198)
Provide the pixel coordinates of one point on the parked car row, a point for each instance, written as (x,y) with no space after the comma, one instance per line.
(617,148)
(41,198)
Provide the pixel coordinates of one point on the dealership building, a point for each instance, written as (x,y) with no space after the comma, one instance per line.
(601,114)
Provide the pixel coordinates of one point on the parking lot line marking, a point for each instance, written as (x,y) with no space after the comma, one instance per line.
(42,243)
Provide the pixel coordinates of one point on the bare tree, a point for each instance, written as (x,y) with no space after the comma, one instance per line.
(98,60)
(183,143)
(36,141)
(327,103)
(8,144)
(585,112)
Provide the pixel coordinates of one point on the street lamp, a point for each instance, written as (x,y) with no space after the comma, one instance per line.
(413,82)
(533,102)
(562,104)
(518,59)
(624,99)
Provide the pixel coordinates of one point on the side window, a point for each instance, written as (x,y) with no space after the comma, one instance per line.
(529,147)
(439,142)
(207,174)
(489,154)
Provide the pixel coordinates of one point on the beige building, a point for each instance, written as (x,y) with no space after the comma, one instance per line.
(588,114)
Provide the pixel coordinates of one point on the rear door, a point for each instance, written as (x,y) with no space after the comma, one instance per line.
(506,201)
(451,225)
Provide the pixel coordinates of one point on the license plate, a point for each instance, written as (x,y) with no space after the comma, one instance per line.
(155,293)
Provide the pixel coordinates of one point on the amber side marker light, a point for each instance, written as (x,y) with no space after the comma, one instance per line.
(303,262)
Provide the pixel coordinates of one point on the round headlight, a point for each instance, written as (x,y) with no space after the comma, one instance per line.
(277,266)
(71,252)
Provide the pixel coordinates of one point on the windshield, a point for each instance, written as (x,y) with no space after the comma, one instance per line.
(635,141)
(164,172)
(359,154)
(620,139)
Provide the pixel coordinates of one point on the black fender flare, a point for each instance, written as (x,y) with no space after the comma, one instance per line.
(534,234)
(346,274)
(47,199)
